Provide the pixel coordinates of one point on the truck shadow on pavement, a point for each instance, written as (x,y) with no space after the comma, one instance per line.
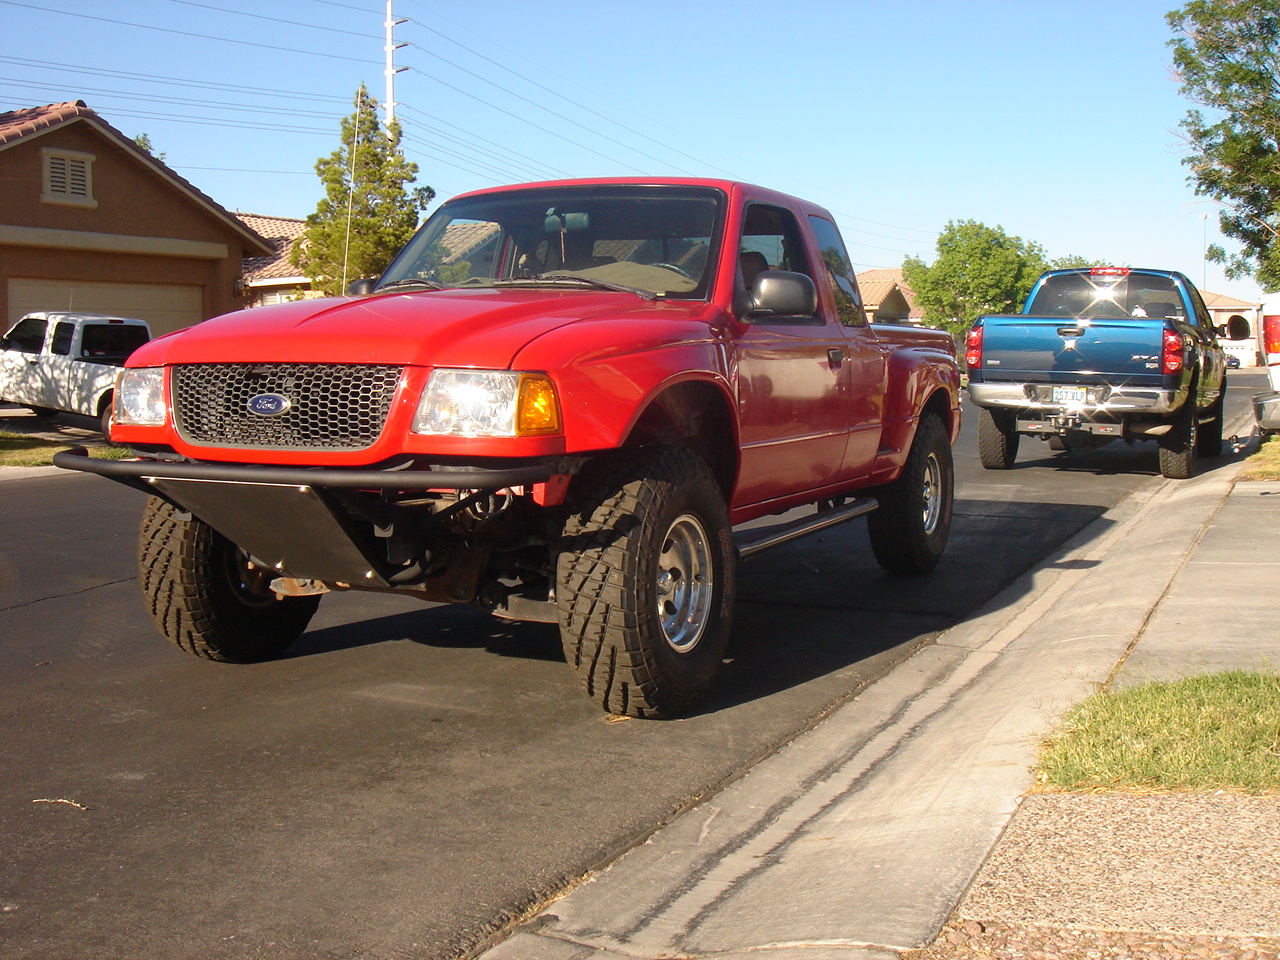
(818,611)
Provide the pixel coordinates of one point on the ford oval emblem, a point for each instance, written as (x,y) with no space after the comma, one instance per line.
(269,404)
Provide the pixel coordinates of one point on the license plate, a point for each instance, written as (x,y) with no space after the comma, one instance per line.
(1069,395)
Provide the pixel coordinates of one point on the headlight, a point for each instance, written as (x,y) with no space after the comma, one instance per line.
(488,403)
(140,397)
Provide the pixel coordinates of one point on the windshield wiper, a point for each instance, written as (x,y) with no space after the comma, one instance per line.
(410,282)
(556,279)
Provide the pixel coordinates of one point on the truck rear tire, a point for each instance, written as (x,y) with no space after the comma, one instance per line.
(206,597)
(997,439)
(1209,441)
(1178,447)
(910,528)
(645,580)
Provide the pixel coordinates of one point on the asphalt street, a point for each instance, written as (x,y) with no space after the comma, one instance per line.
(409,779)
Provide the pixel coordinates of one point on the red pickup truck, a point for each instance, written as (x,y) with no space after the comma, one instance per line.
(556,404)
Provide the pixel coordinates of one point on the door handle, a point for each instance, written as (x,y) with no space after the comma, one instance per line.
(835,355)
(1071,331)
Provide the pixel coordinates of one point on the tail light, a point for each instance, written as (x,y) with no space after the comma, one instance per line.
(1174,360)
(973,348)
(1271,334)
(1109,272)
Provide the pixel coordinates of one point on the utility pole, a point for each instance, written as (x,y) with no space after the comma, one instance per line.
(390,49)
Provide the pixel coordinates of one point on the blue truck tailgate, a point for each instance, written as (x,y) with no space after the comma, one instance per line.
(1067,350)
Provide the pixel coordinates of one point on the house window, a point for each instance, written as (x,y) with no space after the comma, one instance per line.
(68,178)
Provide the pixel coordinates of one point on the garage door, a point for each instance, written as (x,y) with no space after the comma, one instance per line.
(166,307)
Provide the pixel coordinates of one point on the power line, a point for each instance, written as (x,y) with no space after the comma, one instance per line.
(178,81)
(291,23)
(534,103)
(185,33)
(183,101)
(568,100)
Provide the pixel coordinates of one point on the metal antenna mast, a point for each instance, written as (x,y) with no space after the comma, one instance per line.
(389,105)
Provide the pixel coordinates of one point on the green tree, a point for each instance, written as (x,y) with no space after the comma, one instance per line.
(978,270)
(369,209)
(144,142)
(1226,55)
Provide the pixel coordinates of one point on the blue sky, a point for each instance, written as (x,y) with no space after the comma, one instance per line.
(1057,122)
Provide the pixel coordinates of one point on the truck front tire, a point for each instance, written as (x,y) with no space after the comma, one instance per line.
(997,439)
(206,597)
(645,580)
(910,528)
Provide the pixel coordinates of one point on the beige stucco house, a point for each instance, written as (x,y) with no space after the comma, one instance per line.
(91,222)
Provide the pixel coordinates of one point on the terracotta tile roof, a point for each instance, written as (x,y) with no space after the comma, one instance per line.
(19,125)
(1220,301)
(878,283)
(282,233)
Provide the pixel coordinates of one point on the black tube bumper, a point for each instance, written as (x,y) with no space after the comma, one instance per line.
(139,473)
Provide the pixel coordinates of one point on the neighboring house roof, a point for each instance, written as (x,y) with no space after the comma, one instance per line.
(878,286)
(461,239)
(22,125)
(1220,301)
(282,233)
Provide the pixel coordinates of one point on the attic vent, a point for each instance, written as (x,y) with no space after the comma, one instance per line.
(68,178)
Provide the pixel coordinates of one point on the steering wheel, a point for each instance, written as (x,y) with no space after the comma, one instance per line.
(672,266)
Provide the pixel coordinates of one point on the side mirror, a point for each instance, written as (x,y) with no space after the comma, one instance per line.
(779,293)
(1237,328)
(362,287)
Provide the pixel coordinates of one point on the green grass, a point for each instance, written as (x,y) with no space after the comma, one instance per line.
(20,450)
(1264,463)
(1208,732)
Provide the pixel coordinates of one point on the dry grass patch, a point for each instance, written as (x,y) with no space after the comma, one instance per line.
(1264,464)
(1217,731)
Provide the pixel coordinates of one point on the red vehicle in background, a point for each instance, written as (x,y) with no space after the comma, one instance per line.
(556,404)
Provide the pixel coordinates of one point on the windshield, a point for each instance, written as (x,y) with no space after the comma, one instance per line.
(1107,296)
(655,239)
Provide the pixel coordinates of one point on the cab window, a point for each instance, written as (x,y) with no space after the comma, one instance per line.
(839,272)
(28,335)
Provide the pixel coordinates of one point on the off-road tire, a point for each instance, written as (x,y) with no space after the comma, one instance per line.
(645,580)
(910,528)
(205,597)
(997,439)
(1209,440)
(1179,446)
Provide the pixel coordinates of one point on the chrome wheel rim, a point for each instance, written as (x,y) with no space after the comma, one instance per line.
(684,584)
(932,494)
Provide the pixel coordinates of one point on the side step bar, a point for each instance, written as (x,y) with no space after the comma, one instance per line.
(759,539)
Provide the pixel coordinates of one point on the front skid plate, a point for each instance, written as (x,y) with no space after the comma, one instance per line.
(293,529)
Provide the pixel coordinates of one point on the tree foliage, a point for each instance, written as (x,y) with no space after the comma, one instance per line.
(978,270)
(1226,55)
(369,209)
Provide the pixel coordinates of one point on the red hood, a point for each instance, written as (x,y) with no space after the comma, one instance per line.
(469,328)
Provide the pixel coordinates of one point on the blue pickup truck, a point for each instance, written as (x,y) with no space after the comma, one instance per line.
(1101,354)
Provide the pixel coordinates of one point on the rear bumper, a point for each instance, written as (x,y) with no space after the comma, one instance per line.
(1106,401)
(1266,409)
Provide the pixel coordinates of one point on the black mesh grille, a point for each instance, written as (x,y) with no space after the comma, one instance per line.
(330,406)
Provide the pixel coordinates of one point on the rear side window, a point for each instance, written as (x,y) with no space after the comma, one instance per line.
(63,333)
(106,341)
(28,335)
(1108,297)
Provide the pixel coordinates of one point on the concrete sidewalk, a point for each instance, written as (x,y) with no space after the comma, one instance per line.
(860,838)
